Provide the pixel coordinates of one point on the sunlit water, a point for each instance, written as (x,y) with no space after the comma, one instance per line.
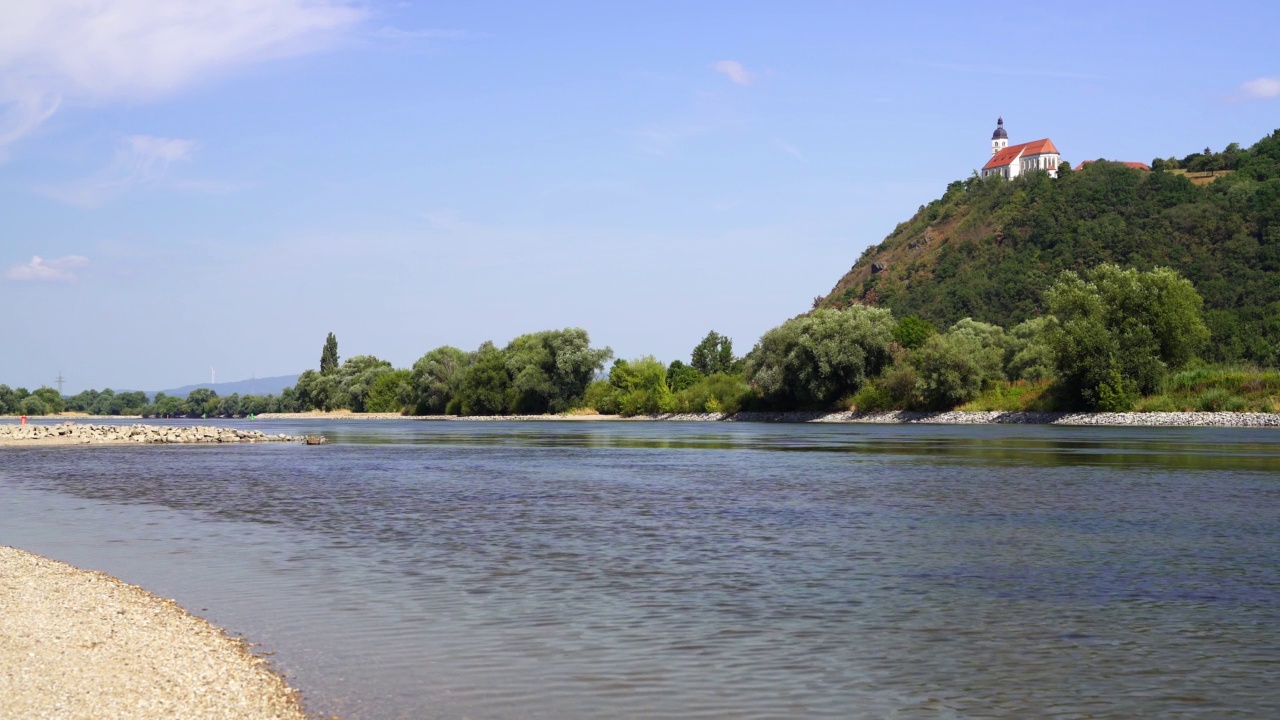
(655,570)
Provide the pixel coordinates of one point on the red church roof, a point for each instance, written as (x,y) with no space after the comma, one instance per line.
(1126,163)
(1011,153)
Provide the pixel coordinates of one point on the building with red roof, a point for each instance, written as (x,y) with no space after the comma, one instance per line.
(1009,161)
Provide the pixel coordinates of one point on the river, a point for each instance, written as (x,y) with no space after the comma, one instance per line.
(703,570)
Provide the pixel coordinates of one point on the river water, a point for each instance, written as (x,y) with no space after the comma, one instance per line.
(655,570)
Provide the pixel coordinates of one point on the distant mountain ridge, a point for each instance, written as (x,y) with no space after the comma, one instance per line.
(253,386)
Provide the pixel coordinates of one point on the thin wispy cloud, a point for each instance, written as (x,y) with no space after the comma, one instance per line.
(140,160)
(394,33)
(55,53)
(1263,88)
(791,150)
(61,269)
(736,73)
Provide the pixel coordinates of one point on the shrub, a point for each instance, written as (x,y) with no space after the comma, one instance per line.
(953,370)
(602,397)
(911,332)
(641,386)
(1028,355)
(1118,332)
(1219,400)
(1156,403)
(869,398)
(719,393)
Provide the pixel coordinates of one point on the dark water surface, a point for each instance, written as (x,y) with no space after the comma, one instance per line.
(653,570)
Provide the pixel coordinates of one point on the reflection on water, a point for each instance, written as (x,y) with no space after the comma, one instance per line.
(655,570)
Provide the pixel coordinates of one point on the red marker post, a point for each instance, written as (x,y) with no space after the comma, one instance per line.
(23,421)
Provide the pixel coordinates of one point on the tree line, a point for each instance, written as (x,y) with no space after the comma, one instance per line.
(1110,336)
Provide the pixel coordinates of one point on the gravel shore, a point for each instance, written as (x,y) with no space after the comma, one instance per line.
(960,417)
(80,644)
(69,433)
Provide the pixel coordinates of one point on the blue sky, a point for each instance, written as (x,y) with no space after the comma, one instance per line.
(219,183)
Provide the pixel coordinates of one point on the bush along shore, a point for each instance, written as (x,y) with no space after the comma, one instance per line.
(72,433)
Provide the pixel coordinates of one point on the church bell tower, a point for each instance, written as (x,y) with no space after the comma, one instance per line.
(999,138)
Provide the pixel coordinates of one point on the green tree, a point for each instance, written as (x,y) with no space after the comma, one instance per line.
(107,403)
(82,401)
(550,370)
(388,392)
(1028,355)
(486,383)
(991,341)
(713,355)
(329,355)
(167,406)
(52,399)
(436,378)
(814,360)
(132,403)
(681,376)
(641,386)
(1118,332)
(200,402)
(312,391)
(911,332)
(8,401)
(354,381)
(953,368)
(33,405)
(229,405)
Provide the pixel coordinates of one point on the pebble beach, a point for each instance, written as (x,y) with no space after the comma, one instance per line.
(80,644)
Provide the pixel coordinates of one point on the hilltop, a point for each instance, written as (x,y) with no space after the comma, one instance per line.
(988,248)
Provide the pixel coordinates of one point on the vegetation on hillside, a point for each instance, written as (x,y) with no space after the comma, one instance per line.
(989,249)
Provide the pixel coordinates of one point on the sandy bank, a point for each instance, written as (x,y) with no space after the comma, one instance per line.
(80,644)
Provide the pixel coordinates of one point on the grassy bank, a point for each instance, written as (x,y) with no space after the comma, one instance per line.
(1204,389)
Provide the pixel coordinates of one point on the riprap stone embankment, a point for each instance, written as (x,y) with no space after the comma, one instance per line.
(962,417)
(75,434)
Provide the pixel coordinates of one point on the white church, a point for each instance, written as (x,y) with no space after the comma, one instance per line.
(1010,161)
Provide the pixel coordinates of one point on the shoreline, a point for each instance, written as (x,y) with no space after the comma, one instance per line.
(900,417)
(141,433)
(79,644)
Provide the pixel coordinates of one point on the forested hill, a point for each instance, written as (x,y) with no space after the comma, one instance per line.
(987,249)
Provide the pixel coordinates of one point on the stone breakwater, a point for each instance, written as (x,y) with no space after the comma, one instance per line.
(75,434)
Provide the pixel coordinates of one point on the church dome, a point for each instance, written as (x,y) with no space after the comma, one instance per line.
(1000,134)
